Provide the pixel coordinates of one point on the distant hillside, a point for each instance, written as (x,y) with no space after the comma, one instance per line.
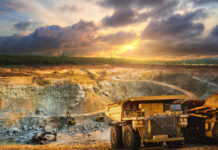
(31,60)
(201,61)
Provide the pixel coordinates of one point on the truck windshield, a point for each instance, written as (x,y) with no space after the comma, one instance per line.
(175,107)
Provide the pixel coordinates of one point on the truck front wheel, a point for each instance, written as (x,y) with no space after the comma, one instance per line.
(131,139)
(116,136)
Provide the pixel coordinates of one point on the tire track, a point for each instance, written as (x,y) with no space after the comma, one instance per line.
(201,80)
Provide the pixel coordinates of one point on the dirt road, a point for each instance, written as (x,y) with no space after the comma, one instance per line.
(98,146)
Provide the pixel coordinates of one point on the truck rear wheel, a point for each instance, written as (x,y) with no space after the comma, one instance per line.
(116,136)
(132,139)
(215,132)
(190,134)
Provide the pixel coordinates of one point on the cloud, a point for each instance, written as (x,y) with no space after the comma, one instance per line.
(22,25)
(176,48)
(51,39)
(5,9)
(150,3)
(163,9)
(119,38)
(115,3)
(80,39)
(202,2)
(128,3)
(121,17)
(11,6)
(214,31)
(127,15)
(147,3)
(206,45)
(69,8)
(178,35)
(176,26)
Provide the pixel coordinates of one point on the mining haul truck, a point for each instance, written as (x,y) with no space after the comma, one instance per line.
(203,120)
(150,120)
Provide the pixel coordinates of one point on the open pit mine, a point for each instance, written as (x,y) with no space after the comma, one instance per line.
(62,107)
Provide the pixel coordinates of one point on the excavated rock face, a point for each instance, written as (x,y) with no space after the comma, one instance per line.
(56,99)
(19,104)
(123,90)
(202,85)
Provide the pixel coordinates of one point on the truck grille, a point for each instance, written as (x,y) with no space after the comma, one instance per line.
(162,125)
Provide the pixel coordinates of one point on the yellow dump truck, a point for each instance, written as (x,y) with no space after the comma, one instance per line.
(149,120)
(203,120)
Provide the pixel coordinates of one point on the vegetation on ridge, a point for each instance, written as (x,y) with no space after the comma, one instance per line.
(64,60)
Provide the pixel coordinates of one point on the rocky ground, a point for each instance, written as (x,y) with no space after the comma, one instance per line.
(35,100)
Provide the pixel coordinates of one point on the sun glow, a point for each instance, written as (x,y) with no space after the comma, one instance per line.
(118,51)
(128,47)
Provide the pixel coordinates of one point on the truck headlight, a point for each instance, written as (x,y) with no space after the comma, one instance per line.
(183,119)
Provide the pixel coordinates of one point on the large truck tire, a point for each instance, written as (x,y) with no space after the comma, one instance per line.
(193,136)
(131,139)
(116,136)
(190,135)
(195,131)
(215,132)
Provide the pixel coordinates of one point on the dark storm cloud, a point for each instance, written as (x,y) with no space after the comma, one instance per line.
(127,3)
(150,3)
(119,38)
(214,31)
(207,45)
(80,39)
(178,35)
(177,47)
(121,17)
(163,10)
(147,3)
(176,26)
(10,6)
(28,44)
(50,39)
(201,46)
(127,15)
(115,3)
(22,25)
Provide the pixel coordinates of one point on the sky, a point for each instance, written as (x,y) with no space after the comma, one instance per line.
(145,29)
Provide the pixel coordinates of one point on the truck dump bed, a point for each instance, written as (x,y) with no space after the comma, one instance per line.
(210,106)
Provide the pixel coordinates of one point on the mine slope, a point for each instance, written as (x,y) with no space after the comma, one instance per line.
(34,100)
